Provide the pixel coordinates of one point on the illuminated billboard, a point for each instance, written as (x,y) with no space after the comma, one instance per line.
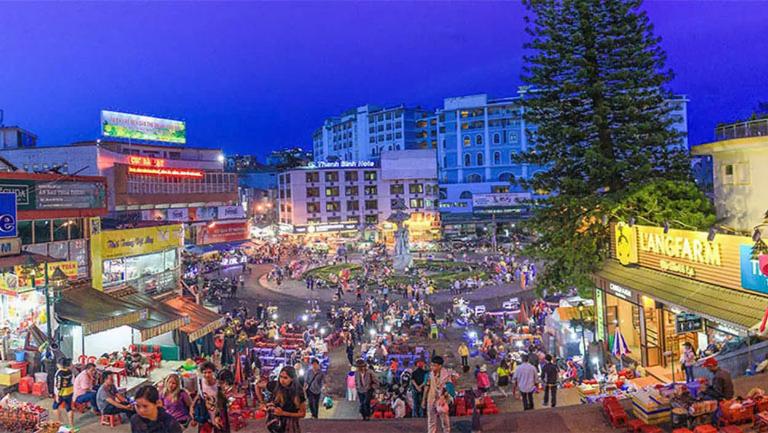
(133,126)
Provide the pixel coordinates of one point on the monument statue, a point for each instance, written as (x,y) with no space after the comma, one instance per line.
(402,258)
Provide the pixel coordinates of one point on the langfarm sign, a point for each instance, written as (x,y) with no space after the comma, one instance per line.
(137,127)
(8,222)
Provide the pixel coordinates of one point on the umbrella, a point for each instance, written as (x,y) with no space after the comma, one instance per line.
(522,316)
(620,347)
(238,370)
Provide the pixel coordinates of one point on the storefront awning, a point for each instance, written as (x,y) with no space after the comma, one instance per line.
(202,321)
(161,318)
(740,309)
(96,311)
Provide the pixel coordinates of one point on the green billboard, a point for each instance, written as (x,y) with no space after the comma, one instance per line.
(134,126)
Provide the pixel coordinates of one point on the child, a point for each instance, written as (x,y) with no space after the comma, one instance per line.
(63,388)
(351,387)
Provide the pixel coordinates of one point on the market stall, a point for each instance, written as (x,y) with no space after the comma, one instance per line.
(194,338)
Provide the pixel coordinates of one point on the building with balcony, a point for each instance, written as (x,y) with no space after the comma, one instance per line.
(738,154)
(365,132)
(354,196)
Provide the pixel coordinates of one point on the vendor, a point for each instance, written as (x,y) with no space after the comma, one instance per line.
(721,387)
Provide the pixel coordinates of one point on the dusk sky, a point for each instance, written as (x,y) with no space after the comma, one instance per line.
(252,77)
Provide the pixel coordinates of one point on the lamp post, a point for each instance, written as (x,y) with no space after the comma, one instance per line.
(585,358)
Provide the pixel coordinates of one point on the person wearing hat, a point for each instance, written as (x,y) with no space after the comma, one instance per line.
(436,397)
(721,387)
(365,383)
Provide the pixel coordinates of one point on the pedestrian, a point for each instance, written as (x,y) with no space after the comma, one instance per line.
(464,354)
(351,388)
(525,379)
(288,404)
(418,379)
(350,351)
(502,376)
(365,384)
(550,375)
(436,398)
(150,416)
(176,400)
(721,387)
(211,398)
(313,386)
(111,402)
(483,381)
(63,388)
(687,360)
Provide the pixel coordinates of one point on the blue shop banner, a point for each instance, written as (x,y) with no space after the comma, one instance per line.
(751,277)
(8,215)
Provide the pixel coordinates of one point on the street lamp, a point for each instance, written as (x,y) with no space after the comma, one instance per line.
(585,356)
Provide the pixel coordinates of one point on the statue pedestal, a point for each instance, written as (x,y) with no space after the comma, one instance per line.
(401,262)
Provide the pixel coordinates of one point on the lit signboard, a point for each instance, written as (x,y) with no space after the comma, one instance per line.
(124,125)
(340,164)
(156,167)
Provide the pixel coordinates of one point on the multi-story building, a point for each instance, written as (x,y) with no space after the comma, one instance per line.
(365,132)
(328,197)
(13,137)
(289,158)
(738,156)
(153,182)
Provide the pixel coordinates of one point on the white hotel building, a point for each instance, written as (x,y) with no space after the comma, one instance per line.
(350,196)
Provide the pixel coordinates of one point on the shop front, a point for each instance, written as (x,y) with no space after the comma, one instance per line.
(146,258)
(664,288)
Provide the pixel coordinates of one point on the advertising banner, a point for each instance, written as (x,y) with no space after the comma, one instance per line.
(8,215)
(202,213)
(153,215)
(125,125)
(751,276)
(68,267)
(500,199)
(231,212)
(139,241)
(70,195)
(222,232)
(178,214)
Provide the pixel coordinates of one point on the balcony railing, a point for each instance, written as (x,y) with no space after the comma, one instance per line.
(752,128)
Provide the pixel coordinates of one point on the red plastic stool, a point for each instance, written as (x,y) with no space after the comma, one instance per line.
(80,407)
(111,420)
(705,428)
(650,429)
(681,430)
(635,425)
(730,429)
(618,418)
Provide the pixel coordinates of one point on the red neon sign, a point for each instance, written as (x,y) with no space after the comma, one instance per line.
(159,171)
(146,161)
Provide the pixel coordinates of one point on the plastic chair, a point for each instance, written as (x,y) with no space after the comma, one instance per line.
(111,420)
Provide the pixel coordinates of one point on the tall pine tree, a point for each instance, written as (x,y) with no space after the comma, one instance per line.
(597,97)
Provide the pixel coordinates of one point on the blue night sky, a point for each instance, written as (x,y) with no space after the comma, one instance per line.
(252,77)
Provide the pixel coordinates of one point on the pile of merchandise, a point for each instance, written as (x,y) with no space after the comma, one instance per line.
(18,416)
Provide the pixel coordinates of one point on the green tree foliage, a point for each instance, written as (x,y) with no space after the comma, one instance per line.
(603,128)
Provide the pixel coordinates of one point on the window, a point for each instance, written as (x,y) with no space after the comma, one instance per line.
(333,206)
(416,188)
(313,221)
(728,177)
(497,158)
(478,139)
(25,232)
(313,207)
(467,160)
(479,159)
(466,195)
(371,205)
(42,231)
(467,140)
(497,189)
(76,229)
(313,192)
(371,219)
(742,173)
(496,138)
(416,203)
(513,138)
(371,190)
(394,202)
(474,178)
(313,177)
(369,175)
(350,176)
(396,189)
(334,219)
(351,190)
(506,177)
(331,176)
(353,205)
(60,230)
(353,219)
(332,191)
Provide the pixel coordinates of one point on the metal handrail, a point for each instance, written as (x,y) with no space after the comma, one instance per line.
(751,128)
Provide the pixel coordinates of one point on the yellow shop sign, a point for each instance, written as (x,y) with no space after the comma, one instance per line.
(139,241)
(685,245)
